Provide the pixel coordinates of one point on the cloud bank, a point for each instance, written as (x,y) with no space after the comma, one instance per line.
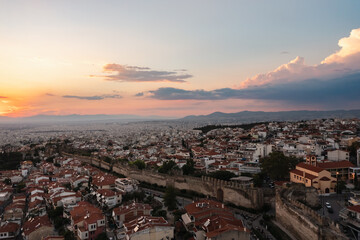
(335,81)
(311,90)
(124,73)
(96,97)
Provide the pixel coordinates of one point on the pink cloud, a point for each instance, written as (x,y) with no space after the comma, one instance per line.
(345,60)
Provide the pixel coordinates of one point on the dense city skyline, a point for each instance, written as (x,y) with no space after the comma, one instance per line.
(177,59)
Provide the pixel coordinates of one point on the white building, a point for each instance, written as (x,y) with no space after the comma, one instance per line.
(338,155)
(126,185)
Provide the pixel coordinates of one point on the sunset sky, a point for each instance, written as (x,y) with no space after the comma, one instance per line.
(177,58)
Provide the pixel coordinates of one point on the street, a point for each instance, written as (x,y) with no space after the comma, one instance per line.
(337,202)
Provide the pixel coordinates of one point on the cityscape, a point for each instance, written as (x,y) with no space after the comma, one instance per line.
(191,120)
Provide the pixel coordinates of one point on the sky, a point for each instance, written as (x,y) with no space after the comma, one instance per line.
(178,58)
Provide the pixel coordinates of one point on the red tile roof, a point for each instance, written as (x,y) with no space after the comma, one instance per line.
(355,208)
(85,211)
(216,214)
(309,167)
(332,165)
(301,173)
(143,223)
(9,227)
(35,223)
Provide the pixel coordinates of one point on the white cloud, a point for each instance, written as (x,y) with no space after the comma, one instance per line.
(346,60)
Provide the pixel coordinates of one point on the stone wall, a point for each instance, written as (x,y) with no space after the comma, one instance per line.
(303,222)
(231,192)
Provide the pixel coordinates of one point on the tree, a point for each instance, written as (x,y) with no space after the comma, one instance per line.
(277,165)
(107,159)
(20,187)
(188,168)
(340,186)
(258,179)
(167,167)
(7,181)
(102,236)
(170,198)
(68,235)
(222,175)
(353,151)
(90,181)
(139,163)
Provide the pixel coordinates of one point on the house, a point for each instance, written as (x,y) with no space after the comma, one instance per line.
(108,197)
(37,208)
(5,195)
(65,198)
(130,212)
(104,181)
(351,218)
(9,230)
(313,176)
(14,212)
(38,227)
(87,221)
(79,181)
(126,185)
(209,219)
(147,228)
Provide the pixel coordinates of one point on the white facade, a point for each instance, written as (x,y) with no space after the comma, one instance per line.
(338,155)
(126,185)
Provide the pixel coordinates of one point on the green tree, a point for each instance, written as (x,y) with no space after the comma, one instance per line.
(277,165)
(222,175)
(102,236)
(167,167)
(68,235)
(170,198)
(340,186)
(107,159)
(258,179)
(353,151)
(7,181)
(139,163)
(188,168)
(20,187)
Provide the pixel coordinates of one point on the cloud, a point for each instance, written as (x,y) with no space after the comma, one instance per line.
(2,97)
(284,52)
(49,94)
(345,60)
(140,94)
(349,49)
(326,92)
(124,73)
(96,97)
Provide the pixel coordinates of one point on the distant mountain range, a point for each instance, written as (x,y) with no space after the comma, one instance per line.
(80,118)
(260,116)
(213,118)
